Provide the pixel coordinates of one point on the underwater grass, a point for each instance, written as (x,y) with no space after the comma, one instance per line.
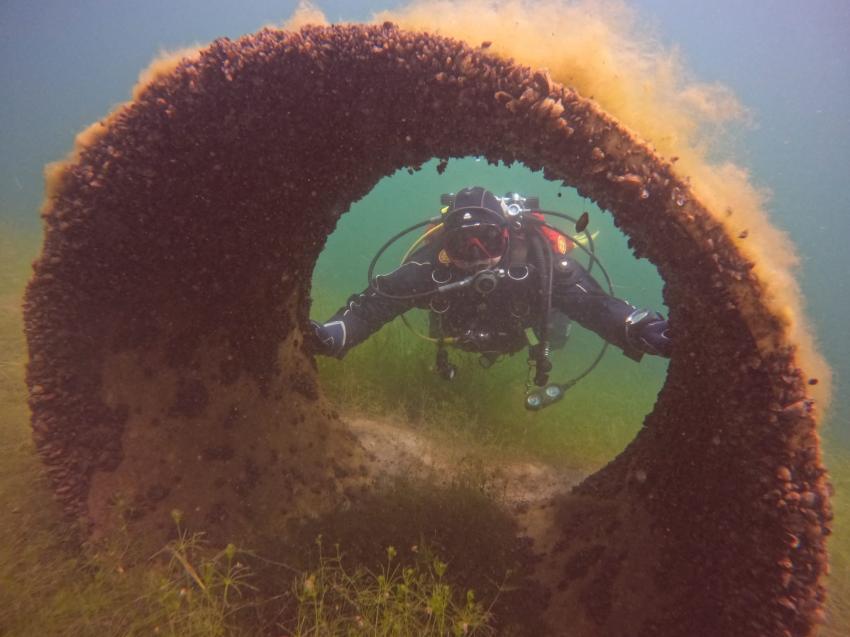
(838,583)
(391,376)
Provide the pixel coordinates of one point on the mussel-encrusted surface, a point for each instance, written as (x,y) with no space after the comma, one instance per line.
(195,217)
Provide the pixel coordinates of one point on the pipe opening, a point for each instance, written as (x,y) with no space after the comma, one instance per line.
(393,376)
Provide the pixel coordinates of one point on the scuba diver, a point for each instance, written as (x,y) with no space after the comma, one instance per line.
(496,278)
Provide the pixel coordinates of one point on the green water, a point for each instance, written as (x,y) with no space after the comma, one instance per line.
(394,370)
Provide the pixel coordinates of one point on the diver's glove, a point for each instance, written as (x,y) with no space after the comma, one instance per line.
(648,332)
(328,339)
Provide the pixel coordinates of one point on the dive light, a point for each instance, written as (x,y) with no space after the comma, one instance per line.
(540,398)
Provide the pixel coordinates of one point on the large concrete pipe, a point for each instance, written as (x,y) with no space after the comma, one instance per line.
(165,319)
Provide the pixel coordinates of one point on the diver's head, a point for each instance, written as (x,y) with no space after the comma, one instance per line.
(476,230)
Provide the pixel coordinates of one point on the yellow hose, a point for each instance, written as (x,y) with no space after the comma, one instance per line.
(420,240)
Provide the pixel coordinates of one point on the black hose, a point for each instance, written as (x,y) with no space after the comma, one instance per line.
(589,253)
(593,259)
(593,251)
(372,280)
(545,264)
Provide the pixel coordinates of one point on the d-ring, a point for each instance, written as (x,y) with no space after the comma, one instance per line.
(522,271)
(438,281)
(436,310)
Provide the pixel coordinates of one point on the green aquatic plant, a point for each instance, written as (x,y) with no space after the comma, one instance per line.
(398,599)
(199,593)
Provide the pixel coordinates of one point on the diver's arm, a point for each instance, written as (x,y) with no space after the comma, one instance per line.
(365,313)
(579,296)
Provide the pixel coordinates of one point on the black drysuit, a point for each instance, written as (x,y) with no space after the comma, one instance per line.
(492,321)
